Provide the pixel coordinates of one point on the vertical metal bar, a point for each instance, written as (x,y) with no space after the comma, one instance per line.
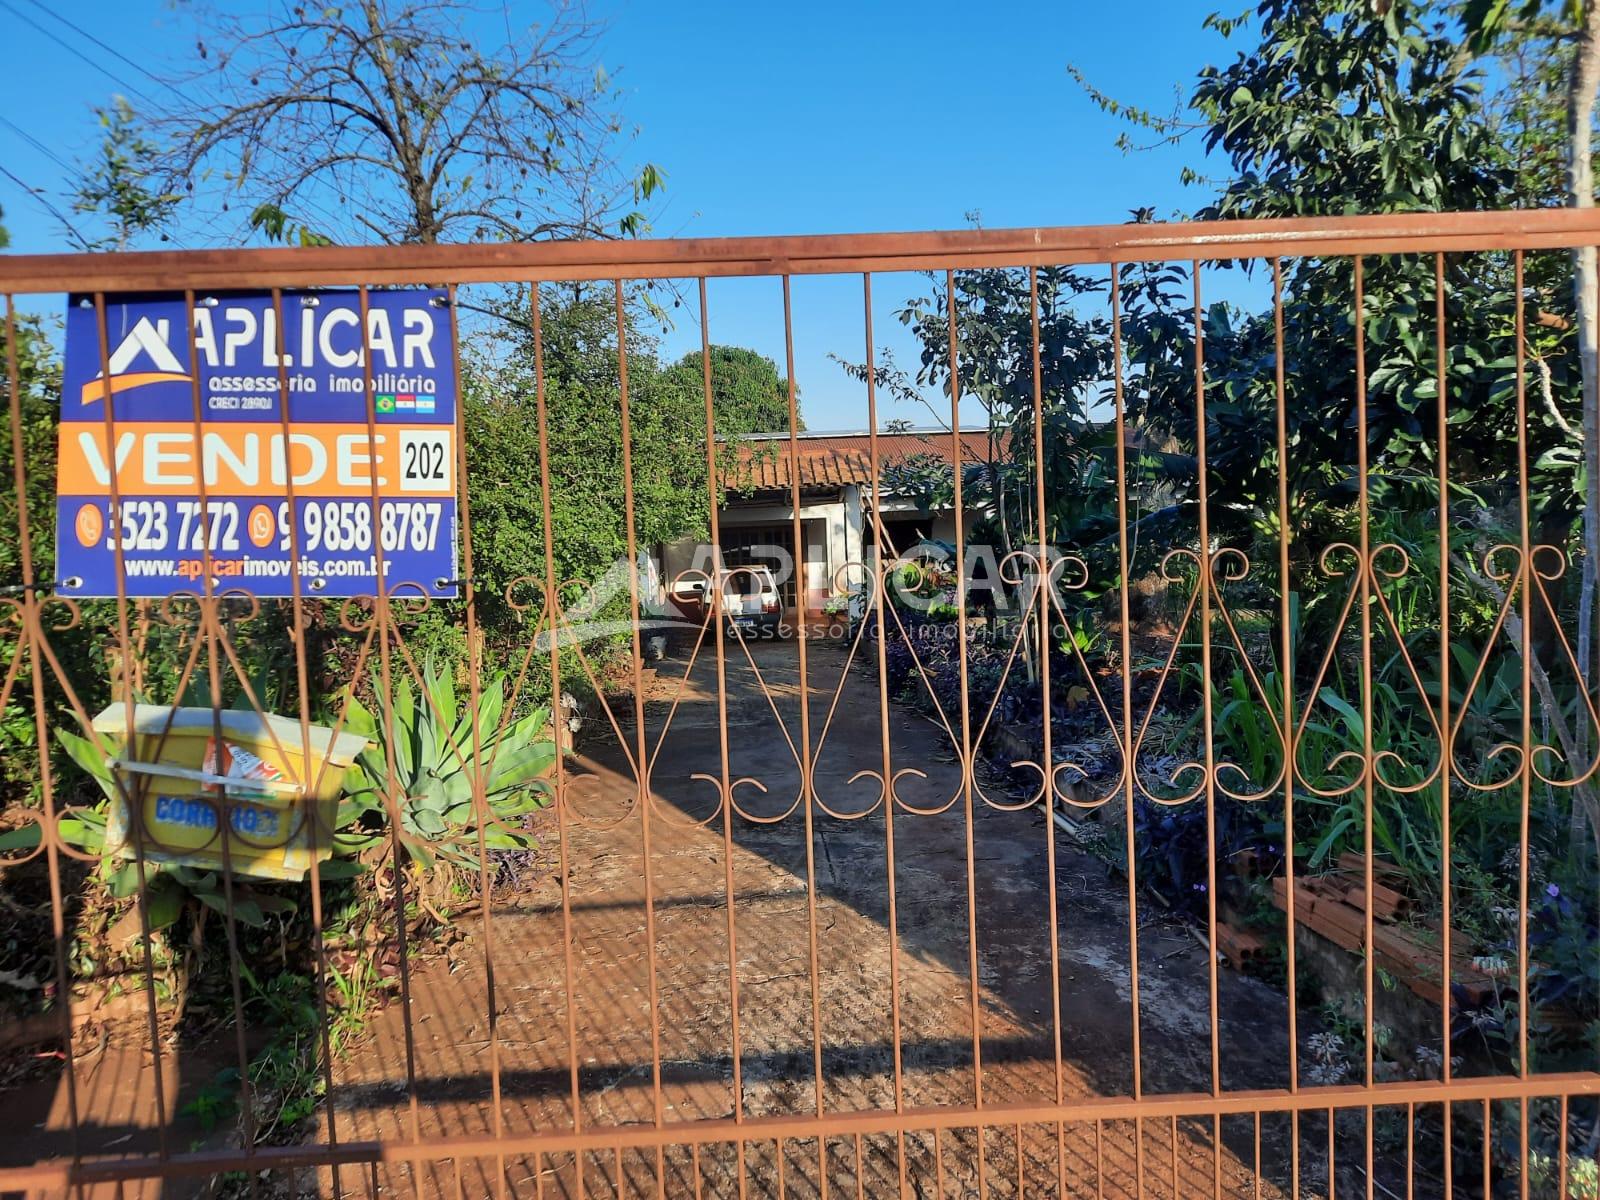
(638,716)
(211,623)
(725,779)
(552,615)
(310,813)
(1256,1162)
(1047,763)
(133,798)
(33,635)
(1446,738)
(882,569)
(1286,679)
(1206,585)
(966,732)
(480,799)
(806,789)
(1364,510)
(1099,1160)
(1411,1150)
(1129,793)
(1172,1145)
(1562,1135)
(1525,767)
(384,620)
(1333,1173)
(1488,1149)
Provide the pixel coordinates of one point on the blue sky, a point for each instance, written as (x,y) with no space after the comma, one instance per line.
(768,119)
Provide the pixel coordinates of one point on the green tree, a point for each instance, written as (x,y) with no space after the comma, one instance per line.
(1340,106)
(39,380)
(994,365)
(582,380)
(1335,111)
(1550,50)
(750,394)
(117,184)
(1332,111)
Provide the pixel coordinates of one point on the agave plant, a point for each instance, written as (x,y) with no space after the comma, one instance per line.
(436,760)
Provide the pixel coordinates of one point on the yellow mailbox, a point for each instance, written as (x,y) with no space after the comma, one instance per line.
(280,794)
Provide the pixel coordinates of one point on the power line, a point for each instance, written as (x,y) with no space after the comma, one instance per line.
(73,50)
(38,145)
(39,198)
(312,205)
(111,50)
(38,194)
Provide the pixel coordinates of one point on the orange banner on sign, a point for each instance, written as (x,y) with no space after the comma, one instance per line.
(254,459)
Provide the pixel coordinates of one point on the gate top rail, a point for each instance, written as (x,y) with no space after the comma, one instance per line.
(222,269)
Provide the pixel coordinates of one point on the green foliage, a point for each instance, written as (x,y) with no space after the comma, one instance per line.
(279,226)
(1336,111)
(749,393)
(650,180)
(118,184)
(216,1101)
(19,755)
(1486,21)
(1342,107)
(582,382)
(994,357)
(440,752)
(39,379)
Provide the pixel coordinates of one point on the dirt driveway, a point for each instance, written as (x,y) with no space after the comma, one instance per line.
(751,895)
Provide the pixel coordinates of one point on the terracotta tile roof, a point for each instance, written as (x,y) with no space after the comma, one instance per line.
(831,460)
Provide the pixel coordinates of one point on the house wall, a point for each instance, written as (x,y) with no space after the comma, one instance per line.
(849,548)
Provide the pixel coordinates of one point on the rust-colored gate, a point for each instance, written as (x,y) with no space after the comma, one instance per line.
(899,903)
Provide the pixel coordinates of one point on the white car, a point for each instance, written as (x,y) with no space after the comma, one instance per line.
(751,601)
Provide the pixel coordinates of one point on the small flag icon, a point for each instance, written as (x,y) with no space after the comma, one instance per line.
(405,402)
(386,402)
(424,403)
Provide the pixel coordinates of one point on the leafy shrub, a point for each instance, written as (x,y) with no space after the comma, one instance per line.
(430,740)
(1564,946)
(1170,845)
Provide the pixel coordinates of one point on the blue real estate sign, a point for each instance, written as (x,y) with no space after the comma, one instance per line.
(255,482)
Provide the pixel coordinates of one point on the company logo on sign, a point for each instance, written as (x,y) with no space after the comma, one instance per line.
(147,342)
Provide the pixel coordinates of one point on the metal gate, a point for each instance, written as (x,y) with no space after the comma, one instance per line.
(895,912)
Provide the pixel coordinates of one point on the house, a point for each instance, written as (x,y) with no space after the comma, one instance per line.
(756,522)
